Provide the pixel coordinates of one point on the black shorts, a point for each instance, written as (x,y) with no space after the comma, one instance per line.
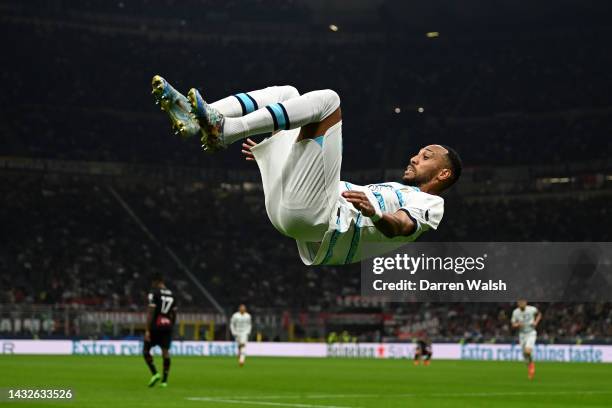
(424,350)
(161,338)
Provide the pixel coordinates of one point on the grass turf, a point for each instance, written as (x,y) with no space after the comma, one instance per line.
(112,382)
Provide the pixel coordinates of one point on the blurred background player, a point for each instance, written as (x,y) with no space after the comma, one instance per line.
(240,326)
(526,318)
(161,315)
(423,351)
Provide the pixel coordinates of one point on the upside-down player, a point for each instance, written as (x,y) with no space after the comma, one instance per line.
(300,170)
(526,318)
(240,326)
(161,315)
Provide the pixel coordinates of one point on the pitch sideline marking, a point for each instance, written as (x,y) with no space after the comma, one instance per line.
(275,404)
(250,399)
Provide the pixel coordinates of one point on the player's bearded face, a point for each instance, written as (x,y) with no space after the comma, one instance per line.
(423,167)
(419,173)
(415,176)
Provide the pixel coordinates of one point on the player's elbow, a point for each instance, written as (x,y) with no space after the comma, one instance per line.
(402,229)
(404,224)
(388,233)
(408,229)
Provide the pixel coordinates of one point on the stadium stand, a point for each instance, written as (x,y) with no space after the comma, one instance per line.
(68,241)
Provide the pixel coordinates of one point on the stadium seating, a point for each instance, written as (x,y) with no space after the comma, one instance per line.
(77,89)
(509,100)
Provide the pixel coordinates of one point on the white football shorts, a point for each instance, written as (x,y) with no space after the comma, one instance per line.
(527,340)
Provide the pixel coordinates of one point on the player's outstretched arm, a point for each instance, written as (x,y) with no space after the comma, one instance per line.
(390,224)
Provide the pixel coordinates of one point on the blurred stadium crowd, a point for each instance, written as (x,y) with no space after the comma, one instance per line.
(81,247)
(500,98)
(77,88)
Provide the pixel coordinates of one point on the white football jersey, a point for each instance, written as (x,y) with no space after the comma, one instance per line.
(526,317)
(240,323)
(349,229)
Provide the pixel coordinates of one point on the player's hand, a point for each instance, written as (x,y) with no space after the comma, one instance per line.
(246,149)
(360,201)
(147,336)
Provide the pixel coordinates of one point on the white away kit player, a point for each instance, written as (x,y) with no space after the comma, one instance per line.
(240,326)
(300,169)
(526,318)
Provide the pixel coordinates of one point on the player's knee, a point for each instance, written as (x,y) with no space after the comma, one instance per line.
(327,102)
(289,92)
(332,101)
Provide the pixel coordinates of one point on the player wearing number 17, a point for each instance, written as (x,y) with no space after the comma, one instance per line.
(161,315)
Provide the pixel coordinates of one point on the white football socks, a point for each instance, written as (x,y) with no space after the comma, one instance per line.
(245,103)
(296,112)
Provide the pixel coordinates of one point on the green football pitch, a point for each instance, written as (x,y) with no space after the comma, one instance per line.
(207,382)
